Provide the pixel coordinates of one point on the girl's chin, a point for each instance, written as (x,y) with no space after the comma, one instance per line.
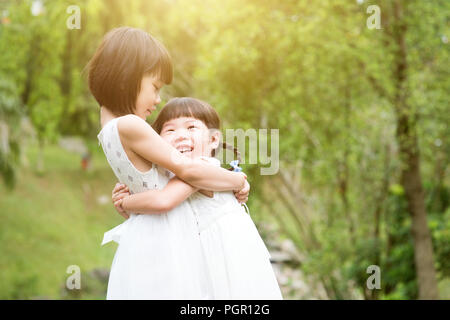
(197,156)
(145,114)
(192,155)
(189,154)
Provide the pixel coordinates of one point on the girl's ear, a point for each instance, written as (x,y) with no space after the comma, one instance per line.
(215,136)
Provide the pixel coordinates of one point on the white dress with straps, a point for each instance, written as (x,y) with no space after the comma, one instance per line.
(159,255)
(237,259)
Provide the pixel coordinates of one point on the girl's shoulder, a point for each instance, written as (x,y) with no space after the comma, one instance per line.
(132,126)
(129,121)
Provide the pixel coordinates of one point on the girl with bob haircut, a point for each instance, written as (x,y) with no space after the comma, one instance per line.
(159,256)
(237,260)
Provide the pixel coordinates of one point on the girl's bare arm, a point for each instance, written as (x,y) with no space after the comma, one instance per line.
(154,201)
(140,137)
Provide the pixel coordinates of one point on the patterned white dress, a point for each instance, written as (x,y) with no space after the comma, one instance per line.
(237,259)
(159,255)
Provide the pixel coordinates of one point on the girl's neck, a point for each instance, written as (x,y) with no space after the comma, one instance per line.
(105,116)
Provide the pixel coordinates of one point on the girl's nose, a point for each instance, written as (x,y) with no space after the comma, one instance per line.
(158,99)
(182,134)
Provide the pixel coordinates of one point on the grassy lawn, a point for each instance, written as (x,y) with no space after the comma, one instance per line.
(53,220)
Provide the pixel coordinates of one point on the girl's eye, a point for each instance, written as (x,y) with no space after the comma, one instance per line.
(190,127)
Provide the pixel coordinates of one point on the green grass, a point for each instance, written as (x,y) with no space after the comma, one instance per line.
(52,220)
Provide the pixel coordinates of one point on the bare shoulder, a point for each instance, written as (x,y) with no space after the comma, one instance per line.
(132,126)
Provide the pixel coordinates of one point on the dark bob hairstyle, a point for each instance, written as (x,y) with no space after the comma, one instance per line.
(116,70)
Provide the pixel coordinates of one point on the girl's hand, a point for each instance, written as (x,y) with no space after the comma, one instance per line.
(119,192)
(242,195)
(207,193)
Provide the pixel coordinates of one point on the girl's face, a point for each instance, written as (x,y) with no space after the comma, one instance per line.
(190,136)
(148,97)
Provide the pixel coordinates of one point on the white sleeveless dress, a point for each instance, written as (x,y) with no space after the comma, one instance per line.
(237,259)
(159,255)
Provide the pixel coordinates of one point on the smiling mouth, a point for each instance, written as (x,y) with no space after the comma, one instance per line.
(185,149)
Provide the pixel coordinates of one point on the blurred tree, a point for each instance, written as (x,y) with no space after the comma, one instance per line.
(404,29)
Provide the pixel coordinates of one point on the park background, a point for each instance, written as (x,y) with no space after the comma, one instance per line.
(363,116)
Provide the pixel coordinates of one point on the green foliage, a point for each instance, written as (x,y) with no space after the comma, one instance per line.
(311,69)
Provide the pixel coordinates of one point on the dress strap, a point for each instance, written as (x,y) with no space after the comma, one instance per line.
(246,208)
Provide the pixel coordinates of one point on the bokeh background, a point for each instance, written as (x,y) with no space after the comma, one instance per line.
(363,116)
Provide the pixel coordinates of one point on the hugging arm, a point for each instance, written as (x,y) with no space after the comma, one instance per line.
(144,141)
(152,201)
(160,201)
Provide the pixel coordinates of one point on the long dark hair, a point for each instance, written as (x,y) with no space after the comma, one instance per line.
(195,108)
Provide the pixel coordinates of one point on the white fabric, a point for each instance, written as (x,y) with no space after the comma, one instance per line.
(237,258)
(159,255)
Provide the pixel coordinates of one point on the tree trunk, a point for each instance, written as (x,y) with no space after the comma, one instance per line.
(410,173)
(423,249)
